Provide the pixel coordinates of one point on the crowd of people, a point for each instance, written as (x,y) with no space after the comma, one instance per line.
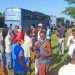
(19,49)
(68,69)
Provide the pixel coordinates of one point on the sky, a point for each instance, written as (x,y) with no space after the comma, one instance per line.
(50,7)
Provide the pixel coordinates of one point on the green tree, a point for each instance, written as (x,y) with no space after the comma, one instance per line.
(70,1)
(71,9)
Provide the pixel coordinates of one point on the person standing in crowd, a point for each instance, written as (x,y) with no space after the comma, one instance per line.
(33,34)
(15,35)
(34,54)
(68,69)
(8,51)
(2,64)
(27,46)
(61,34)
(20,63)
(4,33)
(39,29)
(43,53)
(71,43)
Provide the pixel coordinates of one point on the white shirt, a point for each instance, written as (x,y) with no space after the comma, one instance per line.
(68,69)
(38,35)
(71,45)
(7,44)
(26,46)
(71,41)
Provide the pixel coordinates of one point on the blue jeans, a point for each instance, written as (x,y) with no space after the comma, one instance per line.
(8,61)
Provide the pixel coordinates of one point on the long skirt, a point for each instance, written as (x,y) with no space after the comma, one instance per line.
(43,69)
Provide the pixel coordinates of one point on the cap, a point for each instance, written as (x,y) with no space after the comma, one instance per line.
(40,24)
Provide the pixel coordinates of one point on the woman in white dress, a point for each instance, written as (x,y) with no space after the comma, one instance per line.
(71,43)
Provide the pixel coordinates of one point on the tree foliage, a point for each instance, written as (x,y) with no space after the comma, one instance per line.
(70,1)
(71,9)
